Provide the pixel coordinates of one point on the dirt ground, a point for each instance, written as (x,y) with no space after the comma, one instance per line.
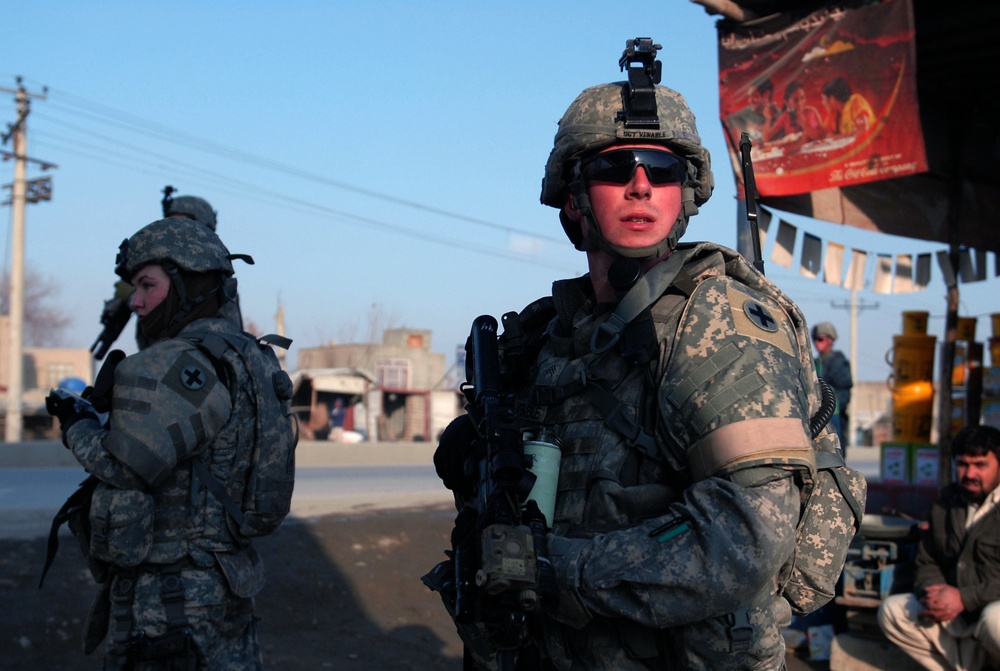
(343,592)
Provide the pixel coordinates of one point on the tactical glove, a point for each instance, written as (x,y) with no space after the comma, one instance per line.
(60,405)
(68,409)
(456,446)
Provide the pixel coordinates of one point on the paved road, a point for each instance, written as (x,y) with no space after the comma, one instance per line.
(29,497)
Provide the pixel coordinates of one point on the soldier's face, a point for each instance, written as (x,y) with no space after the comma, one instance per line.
(638,213)
(151,287)
(824,344)
(977,476)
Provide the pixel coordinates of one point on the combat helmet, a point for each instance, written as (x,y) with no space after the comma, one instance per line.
(192,207)
(182,243)
(198,264)
(636,111)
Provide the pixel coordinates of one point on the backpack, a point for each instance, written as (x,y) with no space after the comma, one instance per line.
(833,496)
(267,491)
(833,503)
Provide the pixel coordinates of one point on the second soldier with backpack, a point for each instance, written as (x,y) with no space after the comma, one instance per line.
(195,458)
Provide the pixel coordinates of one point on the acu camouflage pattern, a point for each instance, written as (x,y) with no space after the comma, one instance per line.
(223,627)
(186,243)
(170,407)
(591,124)
(191,206)
(259,496)
(657,565)
(833,497)
(734,363)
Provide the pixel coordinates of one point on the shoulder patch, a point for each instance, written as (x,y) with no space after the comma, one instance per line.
(758,320)
(760,316)
(191,378)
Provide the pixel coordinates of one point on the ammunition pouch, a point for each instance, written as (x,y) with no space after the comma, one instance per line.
(121,526)
(75,513)
(243,570)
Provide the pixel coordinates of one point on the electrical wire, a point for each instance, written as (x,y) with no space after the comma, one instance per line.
(143,159)
(125,121)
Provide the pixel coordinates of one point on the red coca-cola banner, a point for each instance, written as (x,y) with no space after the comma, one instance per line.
(828,99)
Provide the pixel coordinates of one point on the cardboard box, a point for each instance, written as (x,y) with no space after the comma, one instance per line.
(895,462)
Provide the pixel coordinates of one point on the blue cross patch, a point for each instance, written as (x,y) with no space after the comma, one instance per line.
(760,316)
(193,377)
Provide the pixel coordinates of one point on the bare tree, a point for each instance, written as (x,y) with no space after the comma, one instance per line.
(370,327)
(44,323)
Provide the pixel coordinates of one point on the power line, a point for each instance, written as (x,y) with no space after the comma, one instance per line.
(126,121)
(137,158)
(250,191)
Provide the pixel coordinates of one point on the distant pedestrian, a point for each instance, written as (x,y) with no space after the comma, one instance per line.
(834,367)
(338,414)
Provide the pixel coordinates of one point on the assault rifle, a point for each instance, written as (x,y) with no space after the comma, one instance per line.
(114,318)
(116,311)
(499,548)
(751,196)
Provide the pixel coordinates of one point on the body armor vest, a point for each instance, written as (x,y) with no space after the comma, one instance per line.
(619,466)
(185,515)
(606,480)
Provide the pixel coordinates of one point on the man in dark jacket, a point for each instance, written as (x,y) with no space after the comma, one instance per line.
(836,370)
(952,620)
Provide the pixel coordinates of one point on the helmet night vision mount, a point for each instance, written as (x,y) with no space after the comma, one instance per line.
(644,72)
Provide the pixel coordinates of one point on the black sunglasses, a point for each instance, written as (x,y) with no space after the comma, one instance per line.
(618,166)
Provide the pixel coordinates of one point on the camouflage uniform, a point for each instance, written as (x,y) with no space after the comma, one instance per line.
(191,207)
(671,555)
(681,475)
(172,560)
(187,207)
(198,209)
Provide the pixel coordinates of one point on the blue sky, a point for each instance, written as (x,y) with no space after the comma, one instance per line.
(381,161)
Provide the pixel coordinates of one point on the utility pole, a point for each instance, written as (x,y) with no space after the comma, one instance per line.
(279,329)
(17,132)
(855,308)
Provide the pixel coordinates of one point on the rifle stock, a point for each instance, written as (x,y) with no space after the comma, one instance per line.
(752,196)
(114,323)
(500,538)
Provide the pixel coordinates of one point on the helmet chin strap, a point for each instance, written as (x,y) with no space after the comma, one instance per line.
(188,303)
(594,238)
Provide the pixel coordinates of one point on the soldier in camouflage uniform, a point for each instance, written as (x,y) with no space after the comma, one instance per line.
(181,207)
(685,435)
(191,207)
(178,582)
